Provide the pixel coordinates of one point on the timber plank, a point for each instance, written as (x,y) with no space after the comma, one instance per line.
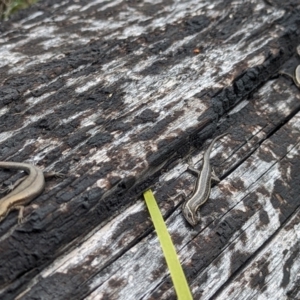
(252,218)
(275,269)
(144,263)
(114,96)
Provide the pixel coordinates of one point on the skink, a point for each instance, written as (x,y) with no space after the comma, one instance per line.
(202,188)
(30,187)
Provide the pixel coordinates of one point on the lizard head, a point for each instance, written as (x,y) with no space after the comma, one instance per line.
(192,218)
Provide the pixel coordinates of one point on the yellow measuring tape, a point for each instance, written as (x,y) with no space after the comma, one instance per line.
(179,281)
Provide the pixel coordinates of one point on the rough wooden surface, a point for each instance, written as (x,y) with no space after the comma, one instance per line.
(117,94)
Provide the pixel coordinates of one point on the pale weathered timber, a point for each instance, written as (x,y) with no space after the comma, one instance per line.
(115,94)
(240,224)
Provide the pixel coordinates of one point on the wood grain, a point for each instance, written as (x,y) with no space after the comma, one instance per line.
(117,95)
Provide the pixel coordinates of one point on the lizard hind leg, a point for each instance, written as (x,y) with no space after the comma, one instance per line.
(295,78)
(190,167)
(21,214)
(53,174)
(281,72)
(214,177)
(12,186)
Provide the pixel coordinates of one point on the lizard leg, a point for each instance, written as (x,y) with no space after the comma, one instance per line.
(12,186)
(214,177)
(53,174)
(190,167)
(21,213)
(295,78)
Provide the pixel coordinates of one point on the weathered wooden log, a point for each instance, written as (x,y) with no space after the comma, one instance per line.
(117,95)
